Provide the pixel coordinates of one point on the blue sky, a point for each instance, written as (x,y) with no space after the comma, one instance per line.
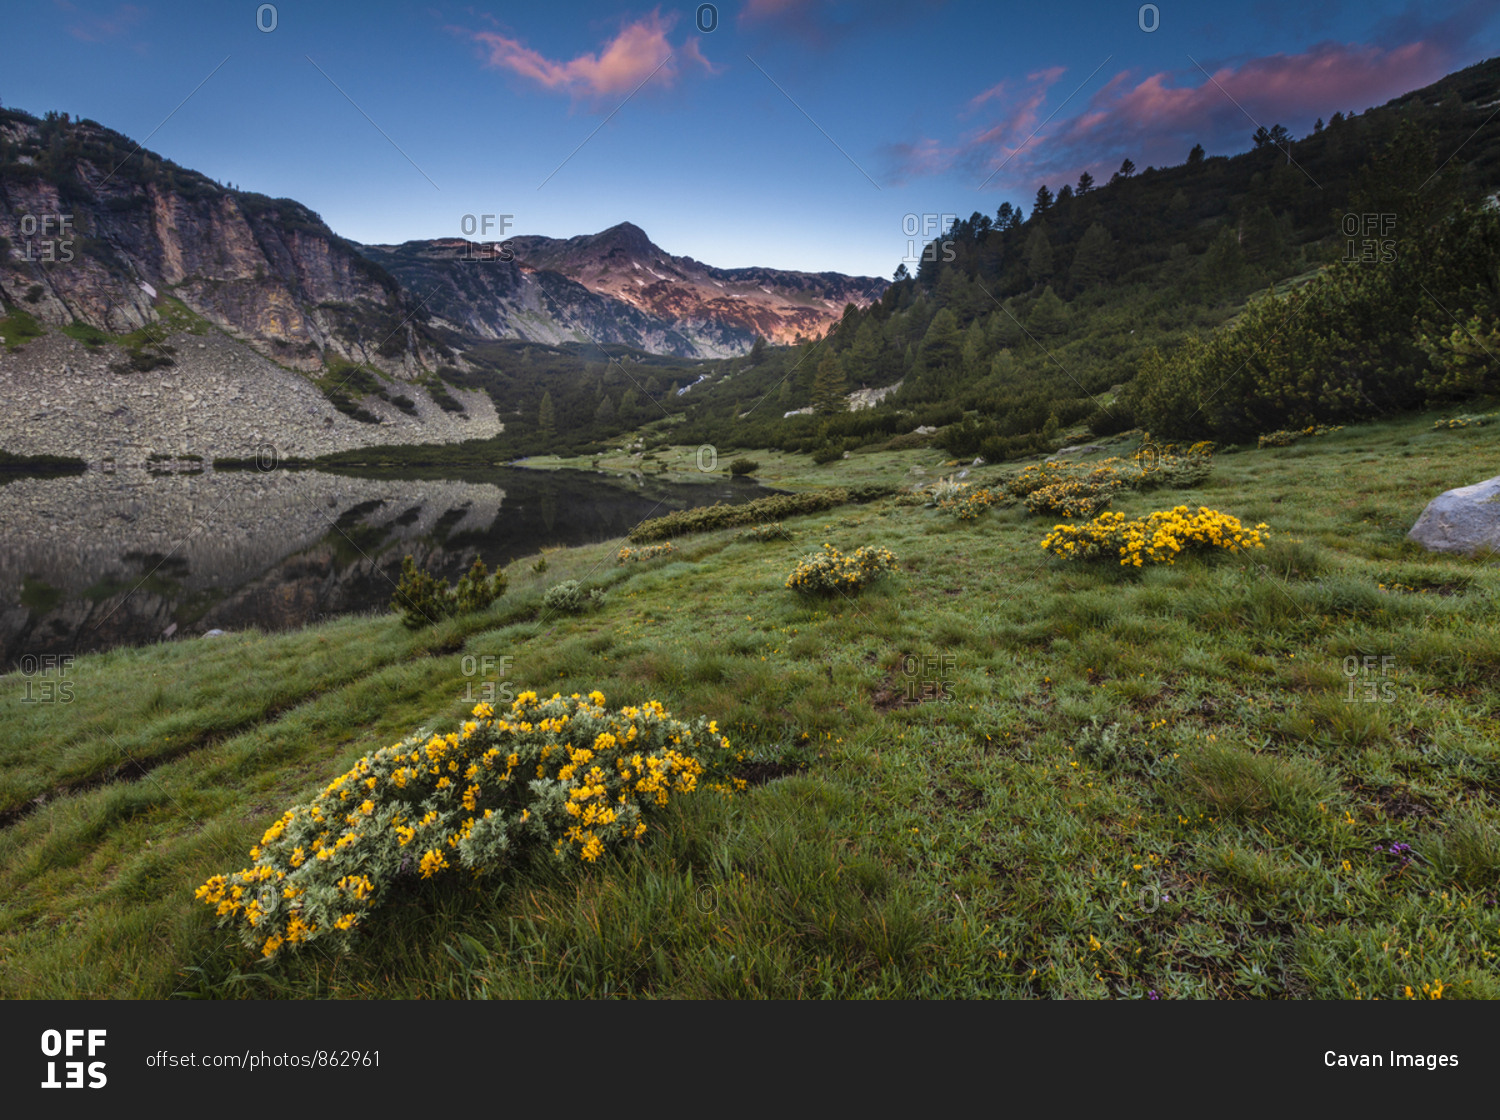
(793,133)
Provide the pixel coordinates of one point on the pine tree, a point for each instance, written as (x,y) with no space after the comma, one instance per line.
(1195,157)
(828,386)
(865,352)
(1094,258)
(1038,256)
(546,419)
(975,350)
(1224,262)
(1051,431)
(1043,201)
(1264,243)
(1085,184)
(605,413)
(1049,315)
(942,344)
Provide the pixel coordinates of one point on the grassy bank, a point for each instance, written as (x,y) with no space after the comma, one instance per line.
(993,774)
(780,469)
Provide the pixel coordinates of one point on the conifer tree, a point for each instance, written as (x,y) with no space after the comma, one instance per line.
(828,386)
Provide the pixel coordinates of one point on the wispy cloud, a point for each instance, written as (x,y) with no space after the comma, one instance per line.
(621,64)
(1155,119)
(914,160)
(826,24)
(1020,105)
(97,27)
(1158,118)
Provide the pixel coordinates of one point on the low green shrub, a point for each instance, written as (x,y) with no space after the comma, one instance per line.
(423,598)
(569,597)
(863,492)
(743,466)
(769,531)
(705,519)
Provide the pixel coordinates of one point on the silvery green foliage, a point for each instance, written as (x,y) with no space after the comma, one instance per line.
(569,597)
(564,774)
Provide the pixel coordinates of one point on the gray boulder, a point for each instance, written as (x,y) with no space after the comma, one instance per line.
(1465,520)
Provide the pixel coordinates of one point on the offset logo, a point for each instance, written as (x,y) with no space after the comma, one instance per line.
(66,1044)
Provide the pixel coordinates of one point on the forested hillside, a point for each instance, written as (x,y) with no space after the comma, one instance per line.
(1020,325)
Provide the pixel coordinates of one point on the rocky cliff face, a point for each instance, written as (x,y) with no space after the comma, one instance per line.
(617,286)
(220,399)
(470,288)
(95,231)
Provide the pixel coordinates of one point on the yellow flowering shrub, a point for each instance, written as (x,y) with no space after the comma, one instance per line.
(1467,420)
(1082,490)
(1157,539)
(1081,495)
(970,504)
(650,552)
(829,571)
(961,499)
(1287,437)
(1038,475)
(565,774)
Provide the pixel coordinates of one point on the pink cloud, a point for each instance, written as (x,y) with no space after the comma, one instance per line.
(1021,120)
(691,51)
(1156,119)
(93,28)
(824,25)
(996,90)
(640,51)
(911,161)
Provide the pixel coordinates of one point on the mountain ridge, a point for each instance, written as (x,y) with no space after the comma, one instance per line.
(652,300)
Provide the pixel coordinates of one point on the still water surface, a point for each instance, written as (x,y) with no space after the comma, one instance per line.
(99,560)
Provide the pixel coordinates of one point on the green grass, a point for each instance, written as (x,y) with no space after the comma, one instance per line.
(18,328)
(1152,781)
(780,470)
(86,333)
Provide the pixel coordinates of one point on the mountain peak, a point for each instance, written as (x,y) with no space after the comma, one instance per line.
(629,236)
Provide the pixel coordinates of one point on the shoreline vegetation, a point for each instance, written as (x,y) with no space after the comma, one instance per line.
(14,466)
(1249,772)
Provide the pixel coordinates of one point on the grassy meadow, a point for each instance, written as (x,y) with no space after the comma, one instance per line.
(994,773)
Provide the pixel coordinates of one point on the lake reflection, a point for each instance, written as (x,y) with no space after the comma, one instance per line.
(100,560)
